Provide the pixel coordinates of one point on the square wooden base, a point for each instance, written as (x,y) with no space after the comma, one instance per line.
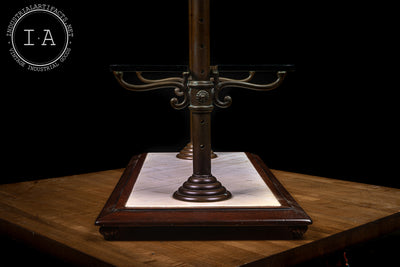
(122,220)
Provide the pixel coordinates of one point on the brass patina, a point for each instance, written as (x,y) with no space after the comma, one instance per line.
(199,88)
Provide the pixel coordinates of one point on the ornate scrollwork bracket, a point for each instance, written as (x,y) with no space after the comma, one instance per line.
(220,83)
(180,85)
(182,89)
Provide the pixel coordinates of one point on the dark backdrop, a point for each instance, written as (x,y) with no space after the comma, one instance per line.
(334,117)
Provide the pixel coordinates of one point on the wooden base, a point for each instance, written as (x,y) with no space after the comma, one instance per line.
(119,222)
(202,233)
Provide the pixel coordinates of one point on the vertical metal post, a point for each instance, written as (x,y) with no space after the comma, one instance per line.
(199,65)
(199,43)
(201,186)
(199,55)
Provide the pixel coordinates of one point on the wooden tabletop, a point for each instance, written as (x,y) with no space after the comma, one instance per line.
(57,215)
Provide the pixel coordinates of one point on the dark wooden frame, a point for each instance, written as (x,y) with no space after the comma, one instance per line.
(118,222)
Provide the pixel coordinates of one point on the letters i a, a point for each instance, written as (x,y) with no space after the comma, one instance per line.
(47,37)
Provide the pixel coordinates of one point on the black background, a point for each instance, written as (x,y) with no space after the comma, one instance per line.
(334,117)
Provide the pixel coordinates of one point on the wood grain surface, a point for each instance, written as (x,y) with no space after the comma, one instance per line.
(57,215)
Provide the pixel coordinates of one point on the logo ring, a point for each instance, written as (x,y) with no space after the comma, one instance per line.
(52,61)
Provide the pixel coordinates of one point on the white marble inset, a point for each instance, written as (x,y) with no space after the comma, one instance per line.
(162,174)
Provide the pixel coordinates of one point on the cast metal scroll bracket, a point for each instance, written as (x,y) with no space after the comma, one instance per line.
(220,83)
(180,85)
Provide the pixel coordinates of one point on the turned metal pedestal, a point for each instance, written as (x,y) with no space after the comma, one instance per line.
(202,185)
(199,88)
(148,196)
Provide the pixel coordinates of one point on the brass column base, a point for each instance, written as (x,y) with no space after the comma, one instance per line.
(202,189)
(187,152)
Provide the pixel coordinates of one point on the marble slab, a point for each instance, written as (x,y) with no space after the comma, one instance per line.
(163,173)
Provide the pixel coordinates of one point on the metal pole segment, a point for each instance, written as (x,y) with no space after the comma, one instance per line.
(200,88)
(202,186)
